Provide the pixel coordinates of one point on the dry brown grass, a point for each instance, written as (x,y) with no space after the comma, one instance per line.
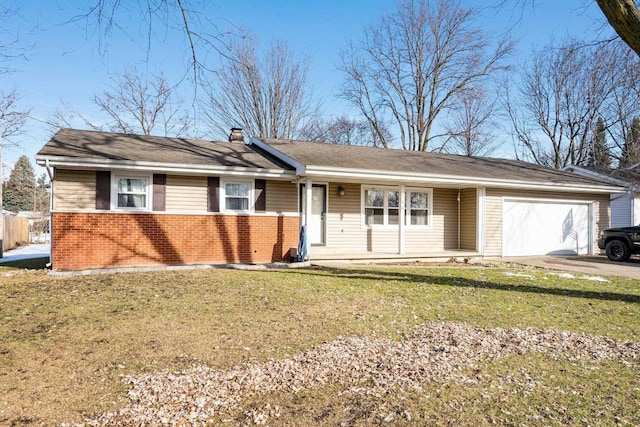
(65,342)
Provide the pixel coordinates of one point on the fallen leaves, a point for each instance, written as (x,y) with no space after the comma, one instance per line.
(433,352)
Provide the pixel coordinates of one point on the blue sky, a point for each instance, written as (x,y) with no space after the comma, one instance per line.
(64,62)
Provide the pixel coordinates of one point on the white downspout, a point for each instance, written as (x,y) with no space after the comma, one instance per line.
(50,172)
(635,192)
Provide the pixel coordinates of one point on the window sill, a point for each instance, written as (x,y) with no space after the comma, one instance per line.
(228,212)
(131,210)
(394,227)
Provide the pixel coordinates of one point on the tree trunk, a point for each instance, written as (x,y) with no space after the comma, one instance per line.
(624,17)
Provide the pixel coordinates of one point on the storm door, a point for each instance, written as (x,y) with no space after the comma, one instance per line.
(317,222)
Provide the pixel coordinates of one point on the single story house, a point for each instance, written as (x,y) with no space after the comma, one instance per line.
(625,207)
(133,200)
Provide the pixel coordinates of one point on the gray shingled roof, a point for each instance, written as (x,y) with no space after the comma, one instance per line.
(84,144)
(93,146)
(313,154)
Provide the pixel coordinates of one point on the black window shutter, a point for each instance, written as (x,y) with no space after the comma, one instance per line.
(261,195)
(103,190)
(159,191)
(213,194)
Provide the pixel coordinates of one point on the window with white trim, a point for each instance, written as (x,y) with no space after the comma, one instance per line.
(418,208)
(382,207)
(237,196)
(131,192)
(393,207)
(373,207)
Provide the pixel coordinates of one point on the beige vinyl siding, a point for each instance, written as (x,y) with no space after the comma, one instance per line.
(77,190)
(493,215)
(345,232)
(493,222)
(186,193)
(344,226)
(443,233)
(468,222)
(189,193)
(74,189)
(282,197)
(602,213)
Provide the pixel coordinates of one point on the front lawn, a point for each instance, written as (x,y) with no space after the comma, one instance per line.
(71,348)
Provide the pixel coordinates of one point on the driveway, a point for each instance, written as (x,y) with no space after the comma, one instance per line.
(592,264)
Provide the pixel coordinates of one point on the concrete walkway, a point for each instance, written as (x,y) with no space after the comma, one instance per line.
(592,264)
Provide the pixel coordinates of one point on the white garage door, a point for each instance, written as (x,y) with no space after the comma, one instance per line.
(545,228)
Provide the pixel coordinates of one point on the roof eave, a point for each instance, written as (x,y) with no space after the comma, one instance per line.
(178,168)
(359,174)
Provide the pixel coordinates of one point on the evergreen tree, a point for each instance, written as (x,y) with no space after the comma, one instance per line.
(41,194)
(599,155)
(19,190)
(631,149)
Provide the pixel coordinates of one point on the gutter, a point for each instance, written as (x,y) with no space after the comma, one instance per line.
(359,175)
(631,191)
(73,162)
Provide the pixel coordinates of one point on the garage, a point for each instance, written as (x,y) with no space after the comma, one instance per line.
(546,227)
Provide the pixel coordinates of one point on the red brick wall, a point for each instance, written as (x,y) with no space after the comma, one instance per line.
(104,240)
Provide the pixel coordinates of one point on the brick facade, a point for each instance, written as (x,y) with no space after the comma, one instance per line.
(105,240)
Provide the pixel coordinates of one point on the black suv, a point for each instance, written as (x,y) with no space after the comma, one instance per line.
(620,243)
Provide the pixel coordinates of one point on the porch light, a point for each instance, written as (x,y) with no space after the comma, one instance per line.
(340,190)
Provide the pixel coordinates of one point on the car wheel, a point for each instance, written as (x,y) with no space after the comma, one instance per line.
(617,250)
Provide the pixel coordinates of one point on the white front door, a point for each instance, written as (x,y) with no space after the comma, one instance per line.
(317,221)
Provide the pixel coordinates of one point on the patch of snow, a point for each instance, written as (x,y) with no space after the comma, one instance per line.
(39,250)
(571,276)
(595,278)
(528,276)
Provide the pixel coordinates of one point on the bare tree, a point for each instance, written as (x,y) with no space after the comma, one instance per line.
(12,46)
(157,18)
(470,124)
(563,91)
(623,16)
(266,95)
(410,66)
(136,104)
(65,116)
(12,116)
(343,130)
(624,103)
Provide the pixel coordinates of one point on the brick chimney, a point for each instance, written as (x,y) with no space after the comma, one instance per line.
(236,135)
